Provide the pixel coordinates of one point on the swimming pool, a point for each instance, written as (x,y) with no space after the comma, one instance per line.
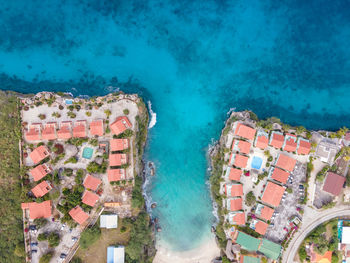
(256,162)
(69,102)
(87,152)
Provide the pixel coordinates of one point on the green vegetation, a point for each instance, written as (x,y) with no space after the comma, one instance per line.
(42,237)
(72,159)
(46,258)
(53,239)
(11,238)
(90,236)
(108,113)
(322,174)
(71,198)
(88,113)
(94,167)
(250,199)
(137,198)
(42,116)
(94,142)
(71,114)
(77,141)
(126,112)
(56,115)
(40,222)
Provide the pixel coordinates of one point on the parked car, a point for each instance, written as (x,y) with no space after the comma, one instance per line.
(34,251)
(63,256)
(33,244)
(301,186)
(74,239)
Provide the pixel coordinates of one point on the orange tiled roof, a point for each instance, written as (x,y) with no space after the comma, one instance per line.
(234,190)
(245,131)
(285,162)
(333,183)
(119,144)
(115,175)
(273,194)
(40,171)
(120,125)
(235,174)
(304,147)
(239,219)
(41,189)
(79,130)
(65,130)
(290,144)
(235,204)
(39,154)
(277,140)
(266,213)
(261,227)
(325,258)
(49,131)
(78,215)
(262,142)
(33,134)
(243,146)
(38,210)
(117,159)
(240,161)
(279,175)
(91,182)
(96,127)
(90,198)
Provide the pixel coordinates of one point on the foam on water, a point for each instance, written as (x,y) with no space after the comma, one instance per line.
(194,60)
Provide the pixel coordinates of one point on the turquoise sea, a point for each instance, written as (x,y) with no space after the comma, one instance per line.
(194,60)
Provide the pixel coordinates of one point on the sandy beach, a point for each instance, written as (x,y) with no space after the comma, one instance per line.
(206,252)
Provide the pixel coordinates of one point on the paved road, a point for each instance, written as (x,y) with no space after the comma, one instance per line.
(319,217)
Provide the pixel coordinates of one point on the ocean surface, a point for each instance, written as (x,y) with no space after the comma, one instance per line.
(194,60)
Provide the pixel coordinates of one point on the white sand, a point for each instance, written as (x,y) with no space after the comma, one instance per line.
(205,253)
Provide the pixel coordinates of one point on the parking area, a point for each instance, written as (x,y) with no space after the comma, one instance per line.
(321,198)
(289,206)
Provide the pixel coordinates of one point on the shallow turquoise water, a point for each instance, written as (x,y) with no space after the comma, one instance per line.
(194,60)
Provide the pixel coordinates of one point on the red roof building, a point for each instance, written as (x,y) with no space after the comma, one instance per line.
(79,130)
(119,144)
(262,140)
(273,194)
(115,175)
(290,143)
(245,131)
(41,189)
(39,154)
(117,159)
(40,171)
(264,212)
(78,215)
(241,146)
(237,218)
(235,204)
(304,146)
(120,125)
(96,128)
(277,140)
(285,162)
(234,174)
(33,133)
(38,210)
(91,182)
(279,175)
(260,227)
(64,132)
(49,131)
(333,183)
(233,190)
(239,160)
(90,198)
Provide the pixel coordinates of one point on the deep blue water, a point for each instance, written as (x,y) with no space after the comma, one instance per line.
(194,60)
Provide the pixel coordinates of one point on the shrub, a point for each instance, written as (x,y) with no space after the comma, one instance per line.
(250,199)
(42,116)
(72,159)
(61,107)
(89,236)
(126,112)
(72,115)
(108,113)
(56,115)
(42,237)
(88,113)
(40,222)
(46,258)
(53,239)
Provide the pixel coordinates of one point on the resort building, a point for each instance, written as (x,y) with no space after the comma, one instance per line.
(119,145)
(39,154)
(78,215)
(241,146)
(49,131)
(233,190)
(38,210)
(249,259)
(276,139)
(304,146)
(236,218)
(120,125)
(244,131)
(90,198)
(326,151)
(79,129)
(96,128)
(278,175)
(109,221)
(238,160)
(115,175)
(264,212)
(270,249)
(40,171)
(91,182)
(290,143)
(285,162)
(317,258)
(115,254)
(117,159)
(233,174)
(64,132)
(41,189)
(247,242)
(234,204)
(259,226)
(272,194)
(33,133)
(262,140)
(333,184)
